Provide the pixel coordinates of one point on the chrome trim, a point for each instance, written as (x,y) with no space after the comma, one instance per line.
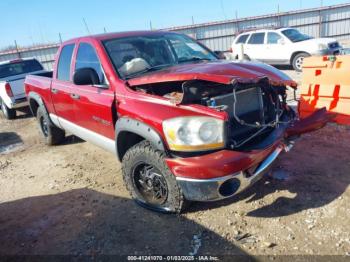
(208,189)
(85,134)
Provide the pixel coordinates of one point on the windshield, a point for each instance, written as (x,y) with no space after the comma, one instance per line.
(295,36)
(134,56)
(19,67)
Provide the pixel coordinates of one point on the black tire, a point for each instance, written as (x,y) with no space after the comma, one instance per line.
(52,135)
(8,113)
(246,57)
(166,194)
(297,62)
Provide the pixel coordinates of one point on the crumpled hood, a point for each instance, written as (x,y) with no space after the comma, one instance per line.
(224,72)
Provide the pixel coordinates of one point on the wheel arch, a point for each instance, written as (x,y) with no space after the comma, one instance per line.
(35,101)
(129,132)
(295,54)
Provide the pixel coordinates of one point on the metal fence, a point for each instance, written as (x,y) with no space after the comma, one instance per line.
(45,54)
(328,21)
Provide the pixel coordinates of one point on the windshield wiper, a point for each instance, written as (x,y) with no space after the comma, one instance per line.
(193,59)
(146,70)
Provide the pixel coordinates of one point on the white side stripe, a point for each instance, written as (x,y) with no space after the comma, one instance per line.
(85,134)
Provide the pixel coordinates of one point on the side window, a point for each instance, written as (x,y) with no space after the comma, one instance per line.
(272,38)
(242,39)
(87,57)
(64,62)
(256,39)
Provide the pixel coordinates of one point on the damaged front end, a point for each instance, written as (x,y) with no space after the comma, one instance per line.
(253,108)
(258,126)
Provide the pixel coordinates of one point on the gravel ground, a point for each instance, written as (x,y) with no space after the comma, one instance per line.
(70,199)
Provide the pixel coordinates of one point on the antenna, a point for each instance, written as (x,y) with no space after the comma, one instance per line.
(86,26)
(223,9)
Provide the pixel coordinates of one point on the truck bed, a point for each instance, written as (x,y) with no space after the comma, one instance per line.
(41,85)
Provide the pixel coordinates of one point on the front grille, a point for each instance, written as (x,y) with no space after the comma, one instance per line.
(333,45)
(254,109)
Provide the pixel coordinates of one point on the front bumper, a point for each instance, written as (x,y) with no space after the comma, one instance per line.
(227,186)
(335,51)
(224,173)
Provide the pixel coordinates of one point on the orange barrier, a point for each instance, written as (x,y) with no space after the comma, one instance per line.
(326,83)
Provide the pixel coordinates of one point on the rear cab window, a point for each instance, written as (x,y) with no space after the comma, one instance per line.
(64,62)
(19,67)
(242,39)
(87,58)
(257,38)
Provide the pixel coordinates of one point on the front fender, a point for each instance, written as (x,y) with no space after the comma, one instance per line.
(126,124)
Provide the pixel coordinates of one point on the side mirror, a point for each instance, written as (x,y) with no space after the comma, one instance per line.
(281,41)
(86,76)
(220,54)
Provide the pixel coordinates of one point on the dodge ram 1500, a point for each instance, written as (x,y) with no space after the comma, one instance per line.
(185,125)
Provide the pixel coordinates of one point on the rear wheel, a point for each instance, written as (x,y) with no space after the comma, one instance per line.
(149,180)
(298,60)
(52,135)
(8,113)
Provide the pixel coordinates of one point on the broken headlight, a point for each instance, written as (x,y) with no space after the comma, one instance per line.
(194,133)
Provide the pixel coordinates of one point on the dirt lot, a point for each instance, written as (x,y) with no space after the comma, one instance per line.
(70,199)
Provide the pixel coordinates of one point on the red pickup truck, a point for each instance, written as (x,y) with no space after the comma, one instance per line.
(185,125)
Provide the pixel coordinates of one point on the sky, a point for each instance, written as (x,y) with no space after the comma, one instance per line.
(42,21)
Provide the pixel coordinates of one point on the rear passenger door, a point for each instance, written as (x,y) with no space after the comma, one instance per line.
(93,104)
(255,48)
(61,88)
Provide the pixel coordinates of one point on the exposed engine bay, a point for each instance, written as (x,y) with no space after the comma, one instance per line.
(254,109)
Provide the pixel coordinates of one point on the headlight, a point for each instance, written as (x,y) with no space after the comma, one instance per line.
(322,46)
(194,133)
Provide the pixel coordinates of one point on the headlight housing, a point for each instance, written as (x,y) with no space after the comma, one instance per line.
(322,46)
(194,133)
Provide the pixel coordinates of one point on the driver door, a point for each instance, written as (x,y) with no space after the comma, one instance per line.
(276,49)
(93,104)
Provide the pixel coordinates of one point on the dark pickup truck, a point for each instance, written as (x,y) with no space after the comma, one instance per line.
(186,125)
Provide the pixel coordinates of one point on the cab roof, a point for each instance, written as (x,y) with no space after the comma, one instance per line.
(261,29)
(102,37)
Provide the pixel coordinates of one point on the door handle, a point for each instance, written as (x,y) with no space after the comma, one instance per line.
(54,90)
(75,96)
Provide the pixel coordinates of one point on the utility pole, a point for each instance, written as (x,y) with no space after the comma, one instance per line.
(150,25)
(60,37)
(17,50)
(193,29)
(104,30)
(278,15)
(86,26)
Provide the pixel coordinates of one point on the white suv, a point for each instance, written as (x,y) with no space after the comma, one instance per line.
(282,46)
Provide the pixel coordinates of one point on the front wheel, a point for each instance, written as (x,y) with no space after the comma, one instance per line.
(8,113)
(149,180)
(298,60)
